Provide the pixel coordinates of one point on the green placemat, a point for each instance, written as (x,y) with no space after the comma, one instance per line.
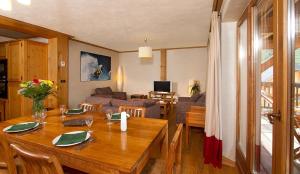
(71,138)
(116,116)
(18,127)
(74,111)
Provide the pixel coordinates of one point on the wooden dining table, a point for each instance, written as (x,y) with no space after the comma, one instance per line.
(112,151)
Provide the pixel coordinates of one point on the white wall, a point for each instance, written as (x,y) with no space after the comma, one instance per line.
(228,90)
(139,73)
(78,90)
(184,65)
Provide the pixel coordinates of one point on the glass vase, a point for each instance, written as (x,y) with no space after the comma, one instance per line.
(38,110)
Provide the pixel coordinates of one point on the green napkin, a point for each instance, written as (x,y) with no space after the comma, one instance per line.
(71,138)
(116,116)
(74,111)
(18,127)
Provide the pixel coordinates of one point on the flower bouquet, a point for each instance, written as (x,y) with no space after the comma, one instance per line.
(37,90)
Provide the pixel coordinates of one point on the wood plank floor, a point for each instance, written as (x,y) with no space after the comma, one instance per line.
(192,155)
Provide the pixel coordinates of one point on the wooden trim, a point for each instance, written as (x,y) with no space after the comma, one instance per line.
(163,64)
(217,4)
(282,72)
(94,45)
(228,162)
(28,28)
(175,48)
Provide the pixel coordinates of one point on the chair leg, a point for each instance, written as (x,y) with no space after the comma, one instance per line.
(187,134)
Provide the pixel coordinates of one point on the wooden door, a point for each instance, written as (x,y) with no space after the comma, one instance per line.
(15,55)
(36,66)
(265,150)
(15,101)
(37,62)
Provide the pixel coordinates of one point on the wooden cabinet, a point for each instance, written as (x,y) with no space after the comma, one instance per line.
(2,51)
(3,109)
(15,101)
(26,60)
(37,62)
(15,56)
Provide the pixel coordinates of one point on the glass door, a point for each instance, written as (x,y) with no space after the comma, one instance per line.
(295,116)
(264,78)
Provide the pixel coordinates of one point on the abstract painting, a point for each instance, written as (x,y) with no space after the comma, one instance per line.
(94,67)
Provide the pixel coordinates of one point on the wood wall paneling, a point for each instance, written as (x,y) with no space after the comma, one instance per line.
(63,74)
(52,68)
(163,64)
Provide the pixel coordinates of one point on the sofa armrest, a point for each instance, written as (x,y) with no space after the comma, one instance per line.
(119,95)
(184,99)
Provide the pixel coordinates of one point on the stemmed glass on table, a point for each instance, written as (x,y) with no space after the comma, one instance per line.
(89,122)
(62,109)
(108,116)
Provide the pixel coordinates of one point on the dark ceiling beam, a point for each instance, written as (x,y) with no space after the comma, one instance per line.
(217,4)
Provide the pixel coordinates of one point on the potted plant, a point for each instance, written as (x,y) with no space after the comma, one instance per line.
(37,90)
(195,89)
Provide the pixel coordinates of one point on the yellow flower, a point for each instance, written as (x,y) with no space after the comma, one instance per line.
(23,85)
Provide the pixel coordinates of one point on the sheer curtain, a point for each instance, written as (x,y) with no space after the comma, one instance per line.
(213,129)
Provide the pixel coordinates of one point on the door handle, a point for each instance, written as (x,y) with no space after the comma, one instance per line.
(274,115)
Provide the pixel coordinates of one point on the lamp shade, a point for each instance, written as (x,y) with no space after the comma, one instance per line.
(145,52)
(120,79)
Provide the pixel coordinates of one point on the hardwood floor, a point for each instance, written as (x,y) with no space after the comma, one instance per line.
(192,155)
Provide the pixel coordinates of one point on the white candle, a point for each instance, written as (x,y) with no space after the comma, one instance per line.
(123,122)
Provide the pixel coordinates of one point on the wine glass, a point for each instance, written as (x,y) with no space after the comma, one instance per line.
(108,116)
(62,109)
(89,122)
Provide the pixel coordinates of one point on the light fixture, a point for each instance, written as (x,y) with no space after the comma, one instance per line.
(5,5)
(145,51)
(24,2)
(120,79)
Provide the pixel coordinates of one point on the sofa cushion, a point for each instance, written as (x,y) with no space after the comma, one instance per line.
(195,97)
(103,91)
(117,102)
(119,95)
(201,100)
(141,102)
(98,100)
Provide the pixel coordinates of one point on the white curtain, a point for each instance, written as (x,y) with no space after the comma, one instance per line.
(213,127)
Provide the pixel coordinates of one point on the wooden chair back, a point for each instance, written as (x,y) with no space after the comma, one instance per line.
(37,163)
(174,158)
(133,111)
(196,116)
(6,157)
(90,107)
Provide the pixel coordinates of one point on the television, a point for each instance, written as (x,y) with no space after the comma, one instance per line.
(162,86)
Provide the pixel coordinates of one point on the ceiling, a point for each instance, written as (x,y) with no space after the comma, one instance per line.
(232,10)
(122,24)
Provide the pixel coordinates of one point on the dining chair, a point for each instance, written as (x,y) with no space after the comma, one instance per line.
(7,161)
(194,118)
(173,164)
(133,111)
(90,107)
(35,162)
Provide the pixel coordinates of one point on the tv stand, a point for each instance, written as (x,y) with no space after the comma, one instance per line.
(163,97)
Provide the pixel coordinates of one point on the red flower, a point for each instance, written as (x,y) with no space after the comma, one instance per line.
(36,81)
